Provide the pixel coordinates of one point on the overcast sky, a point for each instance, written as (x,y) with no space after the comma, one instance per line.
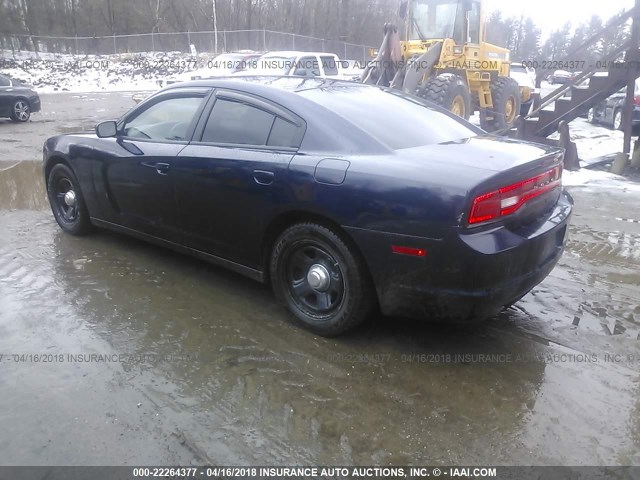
(553,14)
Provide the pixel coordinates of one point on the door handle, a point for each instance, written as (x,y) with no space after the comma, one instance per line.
(263,177)
(161,168)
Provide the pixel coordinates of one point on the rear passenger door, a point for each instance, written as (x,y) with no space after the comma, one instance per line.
(233,176)
(5,95)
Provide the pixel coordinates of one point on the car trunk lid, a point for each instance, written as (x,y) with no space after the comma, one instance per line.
(508,181)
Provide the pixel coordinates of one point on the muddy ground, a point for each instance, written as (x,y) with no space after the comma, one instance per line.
(117,352)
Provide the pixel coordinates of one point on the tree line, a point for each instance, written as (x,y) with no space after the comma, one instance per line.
(354,21)
(523,37)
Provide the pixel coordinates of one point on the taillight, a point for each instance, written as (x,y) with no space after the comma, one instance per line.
(636,100)
(508,200)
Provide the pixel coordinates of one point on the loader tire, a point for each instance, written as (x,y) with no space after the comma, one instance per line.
(450,92)
(505,93)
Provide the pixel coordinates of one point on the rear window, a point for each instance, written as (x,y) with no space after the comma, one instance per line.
(330,65)
(393,119)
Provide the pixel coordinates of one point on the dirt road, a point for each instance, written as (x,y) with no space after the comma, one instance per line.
(116,352)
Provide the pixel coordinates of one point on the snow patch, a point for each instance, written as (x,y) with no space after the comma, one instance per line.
(93,73)
(596,178)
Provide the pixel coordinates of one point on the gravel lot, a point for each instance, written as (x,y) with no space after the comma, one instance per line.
(116,352)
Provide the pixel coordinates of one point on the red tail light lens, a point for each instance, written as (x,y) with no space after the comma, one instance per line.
(508,200)
(636,100)
(412,252)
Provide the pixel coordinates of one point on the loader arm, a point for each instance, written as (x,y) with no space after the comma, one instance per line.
(417,69)
(388,60)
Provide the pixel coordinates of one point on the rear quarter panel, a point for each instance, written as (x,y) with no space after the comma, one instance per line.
(374,196)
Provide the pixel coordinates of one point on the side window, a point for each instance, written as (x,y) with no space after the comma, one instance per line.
(284,134)
(166,120)
(474,24)
(307,67)
(330,65)
(237,123)
(4,81)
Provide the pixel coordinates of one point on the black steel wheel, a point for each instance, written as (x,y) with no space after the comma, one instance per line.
(66,201)
(20,111)
(320,279)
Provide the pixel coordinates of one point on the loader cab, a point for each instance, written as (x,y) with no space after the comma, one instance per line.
(441,19)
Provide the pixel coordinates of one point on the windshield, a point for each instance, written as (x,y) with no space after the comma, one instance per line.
(436,19)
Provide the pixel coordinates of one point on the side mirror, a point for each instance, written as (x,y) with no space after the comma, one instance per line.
(403,9)
(107,129)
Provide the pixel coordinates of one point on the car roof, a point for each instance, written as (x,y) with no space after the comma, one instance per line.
(310,99)
(286,91)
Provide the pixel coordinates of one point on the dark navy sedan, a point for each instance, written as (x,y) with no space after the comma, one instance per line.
(346,198)
(17,100)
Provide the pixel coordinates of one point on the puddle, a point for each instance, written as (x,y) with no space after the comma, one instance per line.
(22,187)
(216,365)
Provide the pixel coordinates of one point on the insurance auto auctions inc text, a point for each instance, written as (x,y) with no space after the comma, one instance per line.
(362,472)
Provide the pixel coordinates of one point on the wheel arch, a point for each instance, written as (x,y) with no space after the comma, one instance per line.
(287,219)
(21,97)
(54,160)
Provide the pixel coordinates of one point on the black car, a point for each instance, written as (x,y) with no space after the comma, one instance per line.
(346,198)
(611,110)
(17,100)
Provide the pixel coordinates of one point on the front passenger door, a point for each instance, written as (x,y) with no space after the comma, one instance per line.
(135,168)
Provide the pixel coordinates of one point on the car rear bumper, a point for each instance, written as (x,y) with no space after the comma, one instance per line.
(464,277)
(34,103)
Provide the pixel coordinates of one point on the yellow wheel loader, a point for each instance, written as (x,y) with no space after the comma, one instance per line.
(440,55)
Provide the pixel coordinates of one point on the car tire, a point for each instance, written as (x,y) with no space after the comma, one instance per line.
(449,92)
(505,93)
(20,111)
(66,200)
(321,279)
(617,119)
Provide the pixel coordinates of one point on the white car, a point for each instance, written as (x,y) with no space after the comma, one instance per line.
(221,66)
(352,70)
(526,79)
(300,64)
(560,77)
